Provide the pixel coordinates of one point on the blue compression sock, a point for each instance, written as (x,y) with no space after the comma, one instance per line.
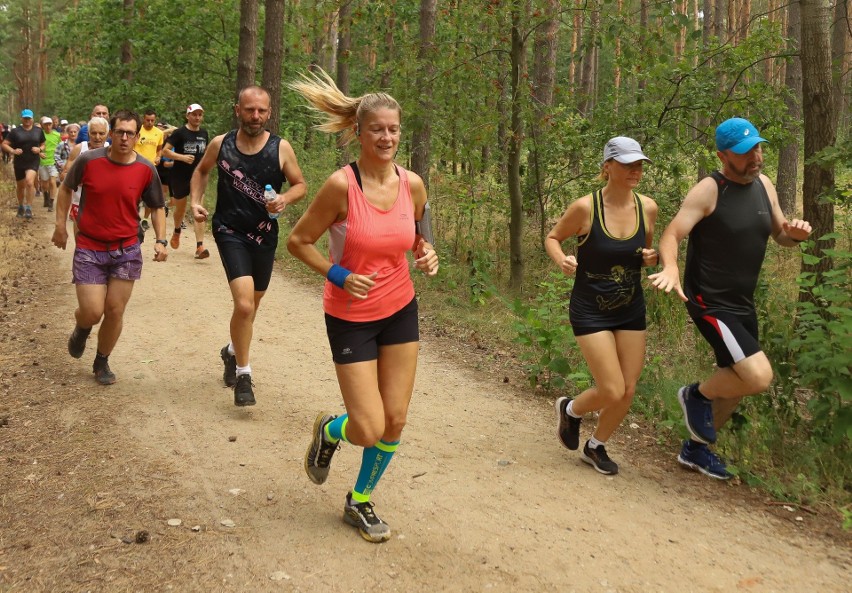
(374,461)
(336,429)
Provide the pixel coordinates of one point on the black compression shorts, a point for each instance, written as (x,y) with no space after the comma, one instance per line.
(241,258)
(359,341)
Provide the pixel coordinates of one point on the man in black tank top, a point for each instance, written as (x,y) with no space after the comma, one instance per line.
(246,233)
(728,217)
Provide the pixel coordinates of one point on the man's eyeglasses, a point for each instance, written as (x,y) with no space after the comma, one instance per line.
(124,133)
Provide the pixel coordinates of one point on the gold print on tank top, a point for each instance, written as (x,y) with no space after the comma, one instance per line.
(623,294)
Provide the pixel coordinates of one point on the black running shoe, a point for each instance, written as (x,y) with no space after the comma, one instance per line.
(103,374)
(567,427)
(230,374)
(77,341)
(598,459)
(362,516)
(243,393)
(319,453)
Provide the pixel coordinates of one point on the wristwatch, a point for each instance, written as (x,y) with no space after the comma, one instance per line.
(162,242)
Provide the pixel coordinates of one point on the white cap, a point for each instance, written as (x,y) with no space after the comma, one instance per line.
(63,122)
(46,120)
(194,107)
(625,150)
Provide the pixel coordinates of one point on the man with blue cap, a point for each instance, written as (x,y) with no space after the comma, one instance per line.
(25,143)
(728,216)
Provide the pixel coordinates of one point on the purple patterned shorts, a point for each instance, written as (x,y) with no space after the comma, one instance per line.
(97,267)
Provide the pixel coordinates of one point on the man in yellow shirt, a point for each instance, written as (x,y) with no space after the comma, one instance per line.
(149,144)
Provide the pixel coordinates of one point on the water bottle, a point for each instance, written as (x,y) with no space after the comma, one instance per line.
(269,195)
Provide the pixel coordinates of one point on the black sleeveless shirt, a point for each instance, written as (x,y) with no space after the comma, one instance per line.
(726,250)
(240,206)
(607,289)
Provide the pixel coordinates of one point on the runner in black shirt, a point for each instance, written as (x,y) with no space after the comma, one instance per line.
(728,217)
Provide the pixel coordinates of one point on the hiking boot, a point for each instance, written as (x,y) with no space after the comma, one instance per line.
(144,225)
(230,374)
(77,341)
(201,252)
(175,240)
(598,459)
(567,427)
(699,457)
(28,212)
(319,453)
(20,213)
(103,374)
(697,414)
(362,516)
(243,393)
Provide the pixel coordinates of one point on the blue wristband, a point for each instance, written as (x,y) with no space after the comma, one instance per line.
(337,275)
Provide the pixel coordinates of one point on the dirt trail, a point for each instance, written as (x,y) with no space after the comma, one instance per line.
(480,497)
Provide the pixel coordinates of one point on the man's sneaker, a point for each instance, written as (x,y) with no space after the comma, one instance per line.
(103,375)
(230,374)
(567,427)
(183,225)
(699,457)
(46,201)
(698,415)
(598,459)
(28,212)
(362,516)
(20,213)
(201,252)
(50,205)
(243,393)
(175,240)
(77,341)
(319,453)
(144,225)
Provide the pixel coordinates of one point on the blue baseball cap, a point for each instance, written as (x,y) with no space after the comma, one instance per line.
(27,113)
(737,135)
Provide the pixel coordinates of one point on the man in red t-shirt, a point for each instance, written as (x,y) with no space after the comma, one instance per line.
(108,257)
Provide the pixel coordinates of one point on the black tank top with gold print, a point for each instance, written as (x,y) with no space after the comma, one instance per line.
(607,289)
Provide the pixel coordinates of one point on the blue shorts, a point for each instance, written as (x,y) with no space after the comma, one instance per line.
(732,337)
(359,341)
(97,267)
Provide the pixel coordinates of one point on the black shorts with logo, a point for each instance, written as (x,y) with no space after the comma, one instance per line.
(359,341)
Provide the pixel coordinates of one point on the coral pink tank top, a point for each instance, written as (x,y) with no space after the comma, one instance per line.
(372,240)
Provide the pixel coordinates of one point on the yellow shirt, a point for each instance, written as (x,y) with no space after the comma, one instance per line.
(148,142)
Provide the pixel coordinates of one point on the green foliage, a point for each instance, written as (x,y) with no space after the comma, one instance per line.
(545,334)
(823,347)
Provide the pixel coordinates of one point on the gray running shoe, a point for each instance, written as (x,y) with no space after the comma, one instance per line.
(362,516)
(567,427)
(77,341)
(319,453)
(103,374)
(598,459)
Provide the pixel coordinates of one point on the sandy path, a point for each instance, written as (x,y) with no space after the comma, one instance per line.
(480,496)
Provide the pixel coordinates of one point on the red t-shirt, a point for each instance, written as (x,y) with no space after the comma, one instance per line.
(108,217)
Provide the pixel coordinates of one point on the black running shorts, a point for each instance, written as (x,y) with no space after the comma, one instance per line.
(359,341)
(732,337)
(241,258)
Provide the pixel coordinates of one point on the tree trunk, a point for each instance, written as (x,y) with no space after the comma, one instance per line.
(273,58)
(820,126)
(247,52)
(544,76)
(344,51)
(421,140)
(788,156)
(840,45)
(516,274)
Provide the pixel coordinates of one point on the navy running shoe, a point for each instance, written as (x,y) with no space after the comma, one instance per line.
(697,414)
(698,457)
